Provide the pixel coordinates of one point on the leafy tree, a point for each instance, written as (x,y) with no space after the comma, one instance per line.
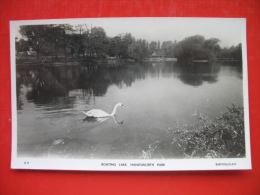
(126,41)
(152,47)
(113,47)
(238,52)
(75,43)
(56,36)
(232,53)
(36,35)
(96,42)
(196,48)
(80,29)
(144,46)
(138,50)
(63,39)
(21,45)
(134,51)
(212,44)
(167,47)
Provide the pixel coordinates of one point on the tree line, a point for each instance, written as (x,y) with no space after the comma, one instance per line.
(198,48)
(81,41)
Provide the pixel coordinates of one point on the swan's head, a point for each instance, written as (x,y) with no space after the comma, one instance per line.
(120,104)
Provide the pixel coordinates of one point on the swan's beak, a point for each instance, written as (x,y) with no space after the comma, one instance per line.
(122,105)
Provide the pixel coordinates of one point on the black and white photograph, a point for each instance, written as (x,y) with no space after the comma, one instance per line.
(130,94)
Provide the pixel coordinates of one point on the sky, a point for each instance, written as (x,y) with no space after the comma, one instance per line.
(231,31)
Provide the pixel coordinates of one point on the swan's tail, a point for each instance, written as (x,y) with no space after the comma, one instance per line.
(84,113)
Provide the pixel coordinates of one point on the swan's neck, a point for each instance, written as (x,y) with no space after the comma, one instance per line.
(114,110)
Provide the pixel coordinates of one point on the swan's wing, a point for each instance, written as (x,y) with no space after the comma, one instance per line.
(97,113)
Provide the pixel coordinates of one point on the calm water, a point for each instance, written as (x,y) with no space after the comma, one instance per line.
(155,96)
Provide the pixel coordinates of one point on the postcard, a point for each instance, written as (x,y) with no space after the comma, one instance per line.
(130,94)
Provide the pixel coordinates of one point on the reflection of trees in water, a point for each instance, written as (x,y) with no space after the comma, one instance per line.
(46,86)
(46,82)
(160,69)
(100,79)
(18,92)
(235,67)
(196,73)
(96,81)
(56,81)
(126,74)
(190,73)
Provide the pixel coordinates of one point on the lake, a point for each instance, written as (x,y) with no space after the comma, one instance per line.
(155,95)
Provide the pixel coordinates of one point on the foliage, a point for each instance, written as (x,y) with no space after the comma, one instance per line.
(153,47)
(168,48)
(232,53)
(80,41)
(96,42)
(21,45)
(125,41)
(36,35)
(114,46)
(137,49)
(42,38)
(196,48)
(221,137)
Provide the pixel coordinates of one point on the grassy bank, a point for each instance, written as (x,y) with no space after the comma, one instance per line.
(220,137)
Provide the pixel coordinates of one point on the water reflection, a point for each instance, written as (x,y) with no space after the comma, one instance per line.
(100,120)
(50,100)
(196,73)
(44,83)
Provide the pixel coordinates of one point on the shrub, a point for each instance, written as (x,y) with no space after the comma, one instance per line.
(220,137)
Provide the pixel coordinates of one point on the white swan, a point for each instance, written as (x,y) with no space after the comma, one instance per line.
(100,113)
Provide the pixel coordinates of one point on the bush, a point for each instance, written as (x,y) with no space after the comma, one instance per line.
(221,137)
